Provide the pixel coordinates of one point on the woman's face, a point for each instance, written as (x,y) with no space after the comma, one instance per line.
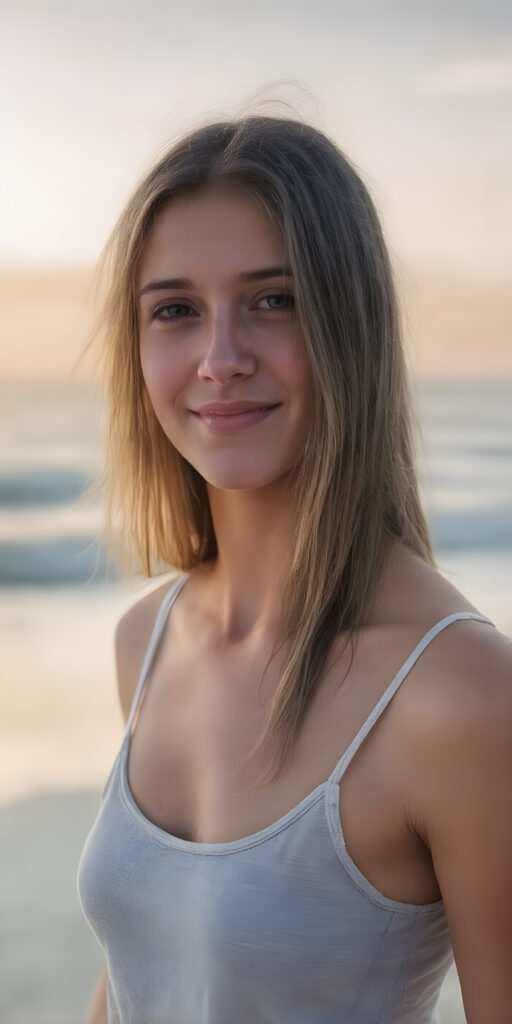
(217,326)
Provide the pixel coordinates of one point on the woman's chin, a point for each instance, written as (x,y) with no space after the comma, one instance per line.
(242,478)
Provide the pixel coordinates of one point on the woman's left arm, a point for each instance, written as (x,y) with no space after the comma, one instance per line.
(464,755)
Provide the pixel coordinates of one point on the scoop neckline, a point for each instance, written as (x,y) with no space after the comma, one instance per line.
(189,845)
(329,790)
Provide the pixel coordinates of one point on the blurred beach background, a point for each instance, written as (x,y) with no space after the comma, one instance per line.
(420,97)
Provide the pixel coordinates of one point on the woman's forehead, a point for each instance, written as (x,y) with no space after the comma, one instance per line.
(223,230)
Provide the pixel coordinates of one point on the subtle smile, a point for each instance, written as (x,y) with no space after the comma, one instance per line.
(222,418)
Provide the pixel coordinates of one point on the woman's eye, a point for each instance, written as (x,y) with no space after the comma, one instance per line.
(171,311)
(278,301)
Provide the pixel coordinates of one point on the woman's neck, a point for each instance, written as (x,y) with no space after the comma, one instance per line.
(254,530)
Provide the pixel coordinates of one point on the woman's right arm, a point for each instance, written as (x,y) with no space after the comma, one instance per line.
(131,639)
(97,1011)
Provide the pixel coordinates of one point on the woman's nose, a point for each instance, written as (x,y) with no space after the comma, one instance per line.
(226,352)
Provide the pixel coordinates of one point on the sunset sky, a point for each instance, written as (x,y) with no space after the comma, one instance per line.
(418,94)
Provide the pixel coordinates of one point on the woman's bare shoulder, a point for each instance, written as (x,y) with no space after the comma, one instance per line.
(415,593)
(131,638)
(469,661)
(466,676)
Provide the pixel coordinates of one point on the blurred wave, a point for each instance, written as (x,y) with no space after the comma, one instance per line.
(49,529)
(41,487)
(466,464)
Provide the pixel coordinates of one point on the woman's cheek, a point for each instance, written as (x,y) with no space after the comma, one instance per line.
(166,379)
(156,367)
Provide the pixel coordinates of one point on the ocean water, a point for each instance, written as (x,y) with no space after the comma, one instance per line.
(465,470)
(51,450)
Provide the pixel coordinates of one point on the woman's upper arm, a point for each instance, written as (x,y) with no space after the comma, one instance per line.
(465,781)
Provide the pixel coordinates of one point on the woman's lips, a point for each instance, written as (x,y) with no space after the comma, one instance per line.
(226,423)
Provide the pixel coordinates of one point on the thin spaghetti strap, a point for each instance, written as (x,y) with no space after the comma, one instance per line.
(154,640)
(388,694)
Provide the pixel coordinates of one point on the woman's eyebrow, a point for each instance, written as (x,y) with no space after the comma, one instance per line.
(256,275)
(185,282)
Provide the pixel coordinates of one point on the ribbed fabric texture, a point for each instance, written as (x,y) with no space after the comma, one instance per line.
(279,927)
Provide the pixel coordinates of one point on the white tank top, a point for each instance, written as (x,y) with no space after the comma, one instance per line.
(279,927)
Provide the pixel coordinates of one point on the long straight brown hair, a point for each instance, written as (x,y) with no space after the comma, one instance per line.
(355,488)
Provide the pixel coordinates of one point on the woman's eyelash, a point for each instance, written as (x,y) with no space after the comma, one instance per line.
(157,313)
(288,303)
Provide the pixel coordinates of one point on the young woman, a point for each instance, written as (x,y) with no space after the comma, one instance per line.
(288,833)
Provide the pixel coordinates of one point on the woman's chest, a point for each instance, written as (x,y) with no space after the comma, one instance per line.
(189,772)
